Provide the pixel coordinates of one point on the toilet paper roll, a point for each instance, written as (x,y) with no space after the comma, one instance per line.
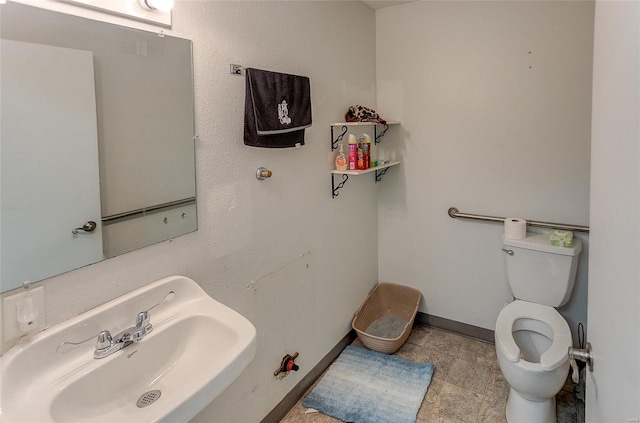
(515,228)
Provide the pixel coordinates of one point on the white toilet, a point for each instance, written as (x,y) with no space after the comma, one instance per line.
(532,338)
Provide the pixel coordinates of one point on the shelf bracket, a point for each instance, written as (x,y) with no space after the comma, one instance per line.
(378,137)
(379,174)
(335,188)
(334,142)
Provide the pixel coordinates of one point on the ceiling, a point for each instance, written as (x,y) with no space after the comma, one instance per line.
(379,4)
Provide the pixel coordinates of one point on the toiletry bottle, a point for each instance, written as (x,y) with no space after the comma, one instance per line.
(341,160)
(360,150)
(353,152)
(366,149)
(370,160)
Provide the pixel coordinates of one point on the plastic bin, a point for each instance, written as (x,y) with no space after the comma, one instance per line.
(386,299)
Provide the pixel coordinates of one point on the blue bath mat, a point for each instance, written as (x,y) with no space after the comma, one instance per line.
(364,386)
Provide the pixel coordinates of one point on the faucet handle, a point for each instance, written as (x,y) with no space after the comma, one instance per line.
(104,340)
(142,319)
(143,323)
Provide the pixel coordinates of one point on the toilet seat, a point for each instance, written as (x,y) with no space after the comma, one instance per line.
(561,338)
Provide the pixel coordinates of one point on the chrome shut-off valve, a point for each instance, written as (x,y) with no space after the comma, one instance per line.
(582,354)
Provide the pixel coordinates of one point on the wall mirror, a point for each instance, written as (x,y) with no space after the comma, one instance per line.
(96,141)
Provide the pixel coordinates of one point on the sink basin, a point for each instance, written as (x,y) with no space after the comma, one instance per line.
(196,349)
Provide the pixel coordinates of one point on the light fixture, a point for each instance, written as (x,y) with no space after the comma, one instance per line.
(160,5)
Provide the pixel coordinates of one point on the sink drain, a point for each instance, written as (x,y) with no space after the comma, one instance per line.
(148,398)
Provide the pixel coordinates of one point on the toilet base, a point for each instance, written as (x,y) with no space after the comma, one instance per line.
(522,410)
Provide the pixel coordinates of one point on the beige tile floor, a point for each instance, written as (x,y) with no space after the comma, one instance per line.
(467,385)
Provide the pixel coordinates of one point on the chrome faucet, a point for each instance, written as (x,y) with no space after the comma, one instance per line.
(107,344)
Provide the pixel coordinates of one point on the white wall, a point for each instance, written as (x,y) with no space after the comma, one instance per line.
(494,100)
(282,251)
(613,388)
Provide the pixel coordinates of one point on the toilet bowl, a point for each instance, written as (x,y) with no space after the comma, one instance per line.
(531,345)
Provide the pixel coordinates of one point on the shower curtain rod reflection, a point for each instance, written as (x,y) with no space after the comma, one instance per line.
(455,213)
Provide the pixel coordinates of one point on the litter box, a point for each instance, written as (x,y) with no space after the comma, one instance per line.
(385,318)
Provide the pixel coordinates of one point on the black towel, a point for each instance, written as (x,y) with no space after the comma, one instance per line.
(277,109)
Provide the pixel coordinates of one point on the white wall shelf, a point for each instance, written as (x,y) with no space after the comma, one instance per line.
(389,122)
(378,170)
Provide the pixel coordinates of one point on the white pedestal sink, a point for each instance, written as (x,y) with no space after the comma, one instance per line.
(196,349)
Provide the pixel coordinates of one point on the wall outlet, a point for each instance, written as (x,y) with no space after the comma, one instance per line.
(10,304)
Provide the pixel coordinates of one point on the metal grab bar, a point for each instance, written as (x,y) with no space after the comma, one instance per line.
(149,209)
(455,213)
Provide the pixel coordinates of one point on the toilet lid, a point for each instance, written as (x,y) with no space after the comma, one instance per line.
(557,353)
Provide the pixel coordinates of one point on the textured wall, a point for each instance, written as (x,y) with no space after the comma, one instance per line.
(282,252)
(494,99)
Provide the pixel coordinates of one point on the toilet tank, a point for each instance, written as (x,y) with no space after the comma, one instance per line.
(540,272)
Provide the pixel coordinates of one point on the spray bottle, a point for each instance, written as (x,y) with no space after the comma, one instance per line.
(360,165)
(366,150)
(369,151)
(353,152)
